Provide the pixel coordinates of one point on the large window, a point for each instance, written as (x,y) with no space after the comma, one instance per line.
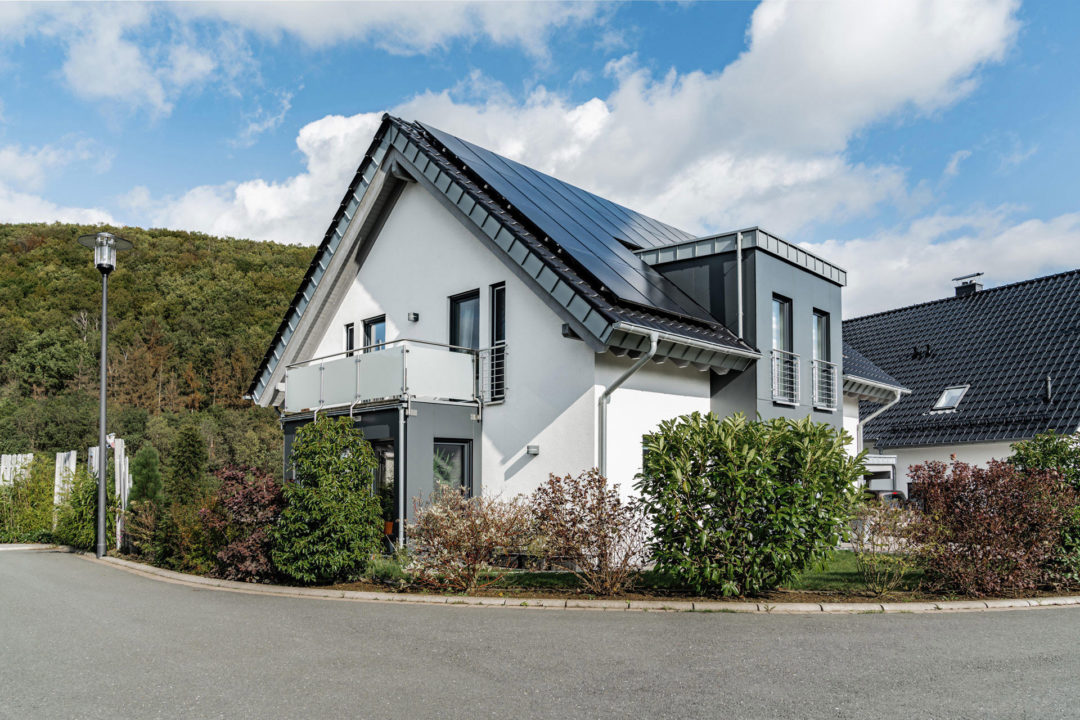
(497,380)
(820,335)
(785,363)
(375,332)
(465,320)
(451,465)
(825,384)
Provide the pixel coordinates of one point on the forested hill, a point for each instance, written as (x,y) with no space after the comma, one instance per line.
(190,317)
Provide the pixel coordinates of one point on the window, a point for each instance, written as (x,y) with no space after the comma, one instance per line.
(497,387)
(451,465)
(785,364)
(465,320)
(781,323)
(820,335)
(375,332)
(951,397)
(824,371)
(350,339)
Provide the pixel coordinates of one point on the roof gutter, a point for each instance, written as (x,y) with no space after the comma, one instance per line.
(605,398)
(683,340)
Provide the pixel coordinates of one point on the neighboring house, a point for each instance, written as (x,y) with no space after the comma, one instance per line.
(487,324)
(986,368)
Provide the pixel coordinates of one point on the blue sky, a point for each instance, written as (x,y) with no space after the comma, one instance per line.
(907,141)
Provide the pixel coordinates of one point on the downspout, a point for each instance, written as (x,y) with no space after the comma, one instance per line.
(871,416)
(401,476)
(605,398)
(738,276)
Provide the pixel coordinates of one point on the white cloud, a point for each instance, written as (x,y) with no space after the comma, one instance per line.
(17,207)
(952,168)
(761,142)
(916,262)
(28,168)
(263,120)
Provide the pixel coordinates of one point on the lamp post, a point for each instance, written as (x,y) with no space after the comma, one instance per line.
(104,246)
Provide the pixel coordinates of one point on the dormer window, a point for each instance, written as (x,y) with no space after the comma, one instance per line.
(951,397)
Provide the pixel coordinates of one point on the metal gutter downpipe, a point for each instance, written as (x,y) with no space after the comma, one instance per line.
(401,476)
(738,276)
(605,398)
(871,416)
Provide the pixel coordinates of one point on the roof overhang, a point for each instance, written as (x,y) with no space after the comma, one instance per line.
(871,390)
(634,340)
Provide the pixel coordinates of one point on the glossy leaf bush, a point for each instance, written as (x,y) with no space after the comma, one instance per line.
(1051,451)
(984,531)
(740,507)
(331,522)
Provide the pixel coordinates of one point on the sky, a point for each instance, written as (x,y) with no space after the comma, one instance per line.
(907,141)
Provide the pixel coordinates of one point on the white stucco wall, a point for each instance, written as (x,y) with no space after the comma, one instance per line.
(851,424)
(976,453)
(422,256)
(654,393)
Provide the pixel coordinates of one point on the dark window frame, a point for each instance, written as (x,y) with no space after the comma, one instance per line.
(453,302)
(497,334)
(466,460)
(369,325)
(350,339)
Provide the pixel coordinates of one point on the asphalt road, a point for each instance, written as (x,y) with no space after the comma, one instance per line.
(83,640)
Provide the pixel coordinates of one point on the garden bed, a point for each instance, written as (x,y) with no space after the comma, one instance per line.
(836,581)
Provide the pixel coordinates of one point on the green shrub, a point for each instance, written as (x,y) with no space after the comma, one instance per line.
(182,541)
(1061,454)
(882,553)
(146,476)
(26,506)
(187,474)
(76,518)
(331,523)
(741,507)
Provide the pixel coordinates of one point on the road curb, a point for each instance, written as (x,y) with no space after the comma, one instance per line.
(712,606)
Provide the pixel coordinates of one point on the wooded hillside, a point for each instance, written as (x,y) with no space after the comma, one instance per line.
(190,317)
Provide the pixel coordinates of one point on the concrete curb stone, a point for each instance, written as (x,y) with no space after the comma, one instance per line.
(553,603)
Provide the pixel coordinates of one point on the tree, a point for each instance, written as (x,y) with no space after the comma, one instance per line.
(187,477)
(332,522)
(146,476)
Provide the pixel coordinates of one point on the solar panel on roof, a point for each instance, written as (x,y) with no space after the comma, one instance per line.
(586,226)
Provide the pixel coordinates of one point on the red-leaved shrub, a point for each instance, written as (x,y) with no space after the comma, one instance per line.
(249,503)
(987,530)
(587,527)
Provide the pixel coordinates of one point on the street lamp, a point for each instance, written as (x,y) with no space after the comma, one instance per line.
(104,246)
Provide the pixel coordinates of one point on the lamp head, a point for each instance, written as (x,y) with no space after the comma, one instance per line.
(105,246)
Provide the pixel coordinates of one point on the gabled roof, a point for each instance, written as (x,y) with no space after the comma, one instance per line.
(866,381)
(1003,343)
(566,241)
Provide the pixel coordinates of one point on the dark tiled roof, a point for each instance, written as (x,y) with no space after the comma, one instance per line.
(857,365)
(1003,343)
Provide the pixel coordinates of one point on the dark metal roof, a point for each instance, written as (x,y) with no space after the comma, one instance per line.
(1004,343)
(591,229)
(675,313)
(857,365)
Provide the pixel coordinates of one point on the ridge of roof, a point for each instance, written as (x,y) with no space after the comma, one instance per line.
(980,293)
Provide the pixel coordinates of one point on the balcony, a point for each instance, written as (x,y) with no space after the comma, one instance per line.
(785,377)
(825,385)
(397,370)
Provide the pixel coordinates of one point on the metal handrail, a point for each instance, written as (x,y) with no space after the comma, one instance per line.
(785,377)
(382,346)
(825,384)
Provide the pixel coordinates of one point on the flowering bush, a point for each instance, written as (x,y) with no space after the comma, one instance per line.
(457,541)
(586,526)
(988,530)
(250,502)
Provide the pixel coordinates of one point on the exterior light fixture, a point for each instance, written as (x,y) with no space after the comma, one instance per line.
(105,246)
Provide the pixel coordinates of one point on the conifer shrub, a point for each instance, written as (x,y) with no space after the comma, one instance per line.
(331,522)
(739,507)
(985,531)
(146,476)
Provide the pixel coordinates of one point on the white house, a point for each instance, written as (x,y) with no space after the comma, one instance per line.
(487,324)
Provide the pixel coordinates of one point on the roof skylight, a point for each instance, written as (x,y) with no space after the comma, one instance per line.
(951,397)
